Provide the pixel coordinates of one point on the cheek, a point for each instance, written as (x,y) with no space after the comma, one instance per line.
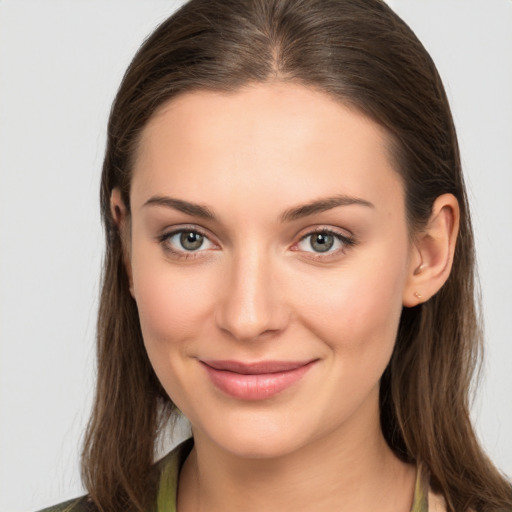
(356,309)
(172,303)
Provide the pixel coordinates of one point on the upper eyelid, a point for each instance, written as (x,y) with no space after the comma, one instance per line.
(170,232)
(348,240)
(178,253)
(347,243)
(180,229)
(341,232)
(345,239)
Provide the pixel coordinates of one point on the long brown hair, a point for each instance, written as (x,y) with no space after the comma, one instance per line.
(362,54)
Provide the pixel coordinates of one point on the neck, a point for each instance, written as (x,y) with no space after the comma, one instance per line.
(346,470)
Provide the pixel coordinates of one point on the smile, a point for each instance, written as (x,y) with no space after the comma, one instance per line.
(255,381)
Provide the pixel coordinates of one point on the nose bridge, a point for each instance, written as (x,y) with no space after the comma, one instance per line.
(250,307)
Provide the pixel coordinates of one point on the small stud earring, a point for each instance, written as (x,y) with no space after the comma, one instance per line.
(418,295)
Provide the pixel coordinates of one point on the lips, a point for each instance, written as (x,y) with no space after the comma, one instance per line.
(255,381)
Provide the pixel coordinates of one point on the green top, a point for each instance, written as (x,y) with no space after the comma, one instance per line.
(170,467)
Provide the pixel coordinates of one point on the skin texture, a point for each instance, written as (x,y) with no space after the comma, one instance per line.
(256,290)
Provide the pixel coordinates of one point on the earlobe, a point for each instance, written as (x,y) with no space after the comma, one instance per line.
(121,218)
(433,252)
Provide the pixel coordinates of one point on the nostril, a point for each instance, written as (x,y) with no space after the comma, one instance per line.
(243,333)
(268,333)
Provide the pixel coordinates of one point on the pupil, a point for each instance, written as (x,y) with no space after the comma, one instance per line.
(322,242)
(191,240)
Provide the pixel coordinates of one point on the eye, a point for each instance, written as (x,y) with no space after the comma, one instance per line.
(186,240)
(324,241)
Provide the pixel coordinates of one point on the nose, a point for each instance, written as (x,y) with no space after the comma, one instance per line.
(252,305)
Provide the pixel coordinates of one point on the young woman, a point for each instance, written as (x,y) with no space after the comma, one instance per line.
(290,264)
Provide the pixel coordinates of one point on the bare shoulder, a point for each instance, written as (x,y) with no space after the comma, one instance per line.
(82,504)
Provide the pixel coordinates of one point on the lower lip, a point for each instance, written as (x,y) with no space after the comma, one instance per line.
(255,386)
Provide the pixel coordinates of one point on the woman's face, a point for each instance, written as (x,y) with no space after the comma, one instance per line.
(269,260)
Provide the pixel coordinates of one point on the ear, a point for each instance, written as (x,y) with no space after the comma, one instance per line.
(432,253)
(121,218)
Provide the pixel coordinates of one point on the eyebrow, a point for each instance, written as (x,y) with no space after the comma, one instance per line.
(291,214)
(187,207)
(322,205)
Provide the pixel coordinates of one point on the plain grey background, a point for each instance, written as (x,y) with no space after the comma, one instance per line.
(60,64)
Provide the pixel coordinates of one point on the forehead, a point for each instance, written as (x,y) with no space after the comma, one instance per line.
(278,138)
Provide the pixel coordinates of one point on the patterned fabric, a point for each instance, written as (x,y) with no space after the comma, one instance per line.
(424,499)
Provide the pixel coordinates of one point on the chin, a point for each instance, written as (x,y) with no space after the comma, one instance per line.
(257,436)
(260,446)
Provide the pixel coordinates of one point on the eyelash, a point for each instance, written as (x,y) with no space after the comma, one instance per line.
(181,254)
(346,243)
